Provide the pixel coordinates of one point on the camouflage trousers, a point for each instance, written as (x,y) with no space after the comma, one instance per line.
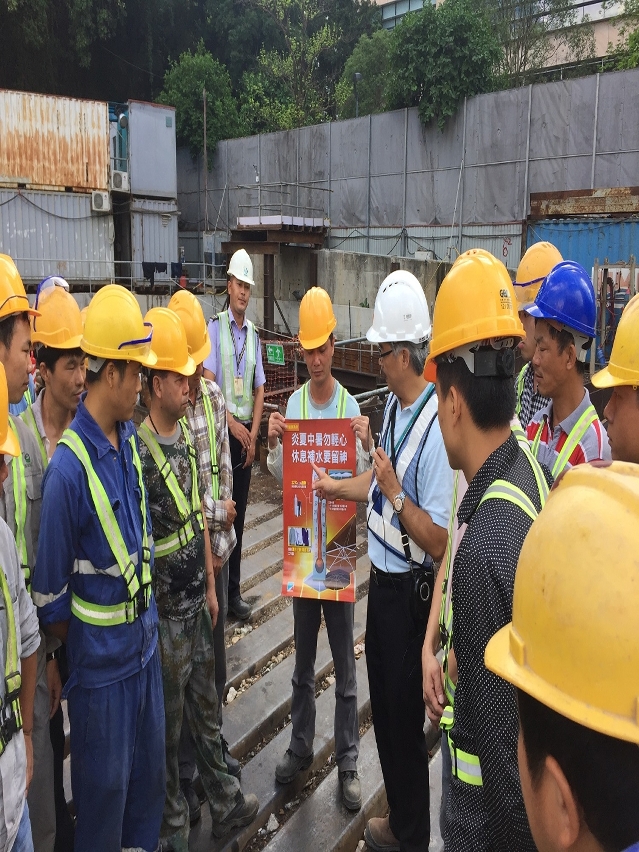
(188,675)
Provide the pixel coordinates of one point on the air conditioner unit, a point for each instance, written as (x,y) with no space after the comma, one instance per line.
(100,201)
(120,181)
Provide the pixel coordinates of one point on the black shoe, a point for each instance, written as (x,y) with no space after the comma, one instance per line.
(351,789)
(192,800)
(232,764)
(290,765)
(240,608)
(242,814)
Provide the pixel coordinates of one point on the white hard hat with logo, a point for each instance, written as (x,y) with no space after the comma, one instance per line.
(401,312)
(241,267)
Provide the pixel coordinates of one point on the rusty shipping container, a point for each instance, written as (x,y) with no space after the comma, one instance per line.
(49,142)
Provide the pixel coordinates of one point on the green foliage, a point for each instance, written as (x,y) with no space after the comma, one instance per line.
(370,59)
(183,88)
(439,56)
(630,57)
(629,32)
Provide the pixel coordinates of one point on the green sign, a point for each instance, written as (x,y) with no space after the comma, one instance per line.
(275,353)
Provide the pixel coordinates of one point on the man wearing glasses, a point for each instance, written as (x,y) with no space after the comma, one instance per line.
(92,586)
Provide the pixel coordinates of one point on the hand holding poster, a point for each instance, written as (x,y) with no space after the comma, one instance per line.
(319,535)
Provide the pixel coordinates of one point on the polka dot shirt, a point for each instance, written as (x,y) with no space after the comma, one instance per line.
(490,817)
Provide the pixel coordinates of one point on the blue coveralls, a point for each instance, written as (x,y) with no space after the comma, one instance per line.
(116,707)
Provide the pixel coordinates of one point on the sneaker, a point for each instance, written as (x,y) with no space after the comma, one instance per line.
(379,837)
(232,765)
(242,814)
(351,789)
(290,765)
(240,608)
(193,801)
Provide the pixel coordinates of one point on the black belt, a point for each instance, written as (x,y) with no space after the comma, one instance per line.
(385,578)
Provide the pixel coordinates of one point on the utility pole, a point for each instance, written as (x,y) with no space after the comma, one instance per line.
(206,171)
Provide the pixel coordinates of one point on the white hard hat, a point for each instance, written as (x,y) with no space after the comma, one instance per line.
(241,267)
(401,312)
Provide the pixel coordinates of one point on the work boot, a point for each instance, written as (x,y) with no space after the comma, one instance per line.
(290,765)
(240,608)
(351,789)
(232,764)
(379,837)
(242,814)
(192,800)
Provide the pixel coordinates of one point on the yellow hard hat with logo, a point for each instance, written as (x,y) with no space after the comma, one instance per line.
(317,318)
(189,310)
(59,324)
(9,444)
(536,263)
(475,302)
(169,342)
(114,329)
(13,297)
(623,367)
(572,643)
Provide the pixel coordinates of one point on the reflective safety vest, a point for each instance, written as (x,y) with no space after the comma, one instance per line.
(28,417)
(240,406)
(210,426)
(466,766)
(572,441)
(191,516)
(20,500)
(519,389)
(10,713)
(138,593)
(341,402)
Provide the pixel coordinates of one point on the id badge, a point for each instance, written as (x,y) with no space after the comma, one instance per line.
(238,386)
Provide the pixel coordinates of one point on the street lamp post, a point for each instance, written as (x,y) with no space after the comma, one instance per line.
(356,78)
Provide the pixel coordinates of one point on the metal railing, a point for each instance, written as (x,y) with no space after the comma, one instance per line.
(269,206)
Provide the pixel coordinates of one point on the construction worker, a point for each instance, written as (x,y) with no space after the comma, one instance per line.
(206,416)
(567,431)
(536,263)
(409,493)
(20,507)
(184,588)
(622,375)
(322,397)
(235,363)
(475,328)
(92,586)
(21,640)
(571,651)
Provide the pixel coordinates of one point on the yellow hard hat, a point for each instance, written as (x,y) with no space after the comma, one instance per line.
(59,324)
(9,444)
(475,302)
(13,297)
(623,367)
(536,263)
(189,310)
(169,342)
(114,329)
(317,319)
(83,315)
(572,643)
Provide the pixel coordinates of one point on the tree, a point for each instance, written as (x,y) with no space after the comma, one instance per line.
(629,32)
(439,56)
(370,59)
(183,86)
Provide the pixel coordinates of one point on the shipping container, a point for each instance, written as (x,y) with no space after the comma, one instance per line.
(152,154)
(56,233)
(154,236)
(51,142)
(589,240)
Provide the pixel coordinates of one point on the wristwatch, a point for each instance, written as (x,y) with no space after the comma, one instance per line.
(398,502)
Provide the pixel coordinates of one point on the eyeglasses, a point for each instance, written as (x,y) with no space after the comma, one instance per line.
(382,355)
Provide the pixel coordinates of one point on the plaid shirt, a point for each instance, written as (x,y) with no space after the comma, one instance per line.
(529,401)
(222,541)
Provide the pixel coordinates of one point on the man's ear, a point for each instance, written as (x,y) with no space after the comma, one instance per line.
(561,811)
(456,402)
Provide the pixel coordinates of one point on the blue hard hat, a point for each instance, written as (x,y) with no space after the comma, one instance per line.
(568,297)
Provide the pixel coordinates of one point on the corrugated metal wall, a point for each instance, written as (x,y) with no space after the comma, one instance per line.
(53,142)
(590,239)
(154,235)
(55,233)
